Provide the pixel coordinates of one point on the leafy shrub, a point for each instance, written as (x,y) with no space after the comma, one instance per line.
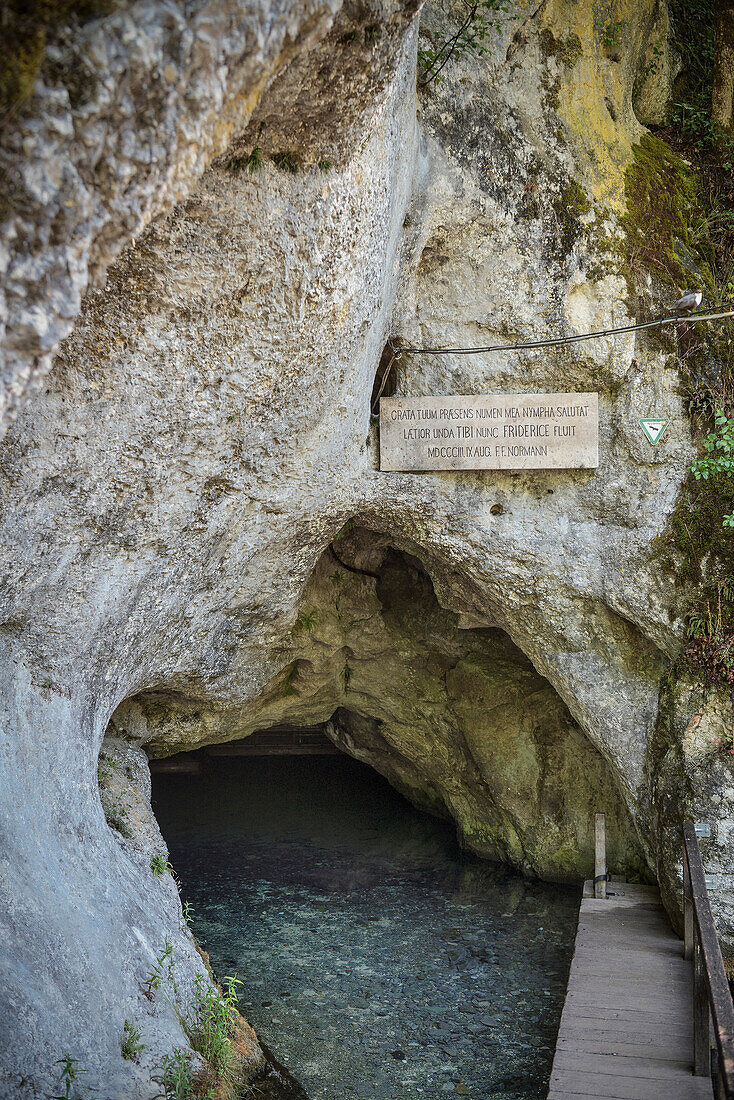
(719,459)
(176,1078)
(471,38)
(613,33)
(212,1023)
(131,1045)
(159,865)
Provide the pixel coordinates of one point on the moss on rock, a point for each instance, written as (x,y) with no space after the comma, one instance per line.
(662,195)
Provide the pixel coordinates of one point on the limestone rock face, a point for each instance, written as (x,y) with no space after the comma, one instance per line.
(695,782)
(85,920)
(126,114)
(457,719)
(169,498)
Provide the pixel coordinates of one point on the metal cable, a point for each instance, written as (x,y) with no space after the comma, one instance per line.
(674,319)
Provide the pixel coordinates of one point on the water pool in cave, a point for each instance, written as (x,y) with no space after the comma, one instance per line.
(377,959)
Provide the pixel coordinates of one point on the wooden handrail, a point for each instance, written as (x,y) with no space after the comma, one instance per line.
(711,994)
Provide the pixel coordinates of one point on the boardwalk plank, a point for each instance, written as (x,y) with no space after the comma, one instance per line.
(617,1026)
(620,1088)
(620,1065)
(626,1027)
(626,1045)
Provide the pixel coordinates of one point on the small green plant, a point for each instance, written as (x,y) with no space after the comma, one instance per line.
(118,823)
(719,459)
(287,162)
(710,647)
(254,161)
(707,138)
(176,1078)
(188,911)
(652,66)
(344,531)
(115,811)
(67,1076)
(162,968)
(474,30)
(212,1023)
(306,621)
(159,865)
(325,165)
(131,1045)
(612,34)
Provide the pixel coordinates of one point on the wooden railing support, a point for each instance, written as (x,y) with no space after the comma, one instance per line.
(600,856)
(701,1033)
(687,913)
(712,1004)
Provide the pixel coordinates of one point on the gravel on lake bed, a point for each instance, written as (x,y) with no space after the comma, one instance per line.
(378,960)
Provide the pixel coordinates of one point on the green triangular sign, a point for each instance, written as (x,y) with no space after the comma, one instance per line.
(653,429)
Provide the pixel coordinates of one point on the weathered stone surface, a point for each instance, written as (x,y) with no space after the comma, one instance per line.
(206,434)
(83,917)
(126,115)
(695,782)
(456,718)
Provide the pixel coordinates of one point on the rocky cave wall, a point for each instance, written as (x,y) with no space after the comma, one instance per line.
(457,719)
(170,489)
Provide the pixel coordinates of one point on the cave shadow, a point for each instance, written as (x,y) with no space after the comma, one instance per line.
(319,852)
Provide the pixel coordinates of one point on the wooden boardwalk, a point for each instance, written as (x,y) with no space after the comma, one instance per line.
(626,1031)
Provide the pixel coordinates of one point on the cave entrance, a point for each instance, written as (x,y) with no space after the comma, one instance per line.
(379,952)
(377,958)
(441,703)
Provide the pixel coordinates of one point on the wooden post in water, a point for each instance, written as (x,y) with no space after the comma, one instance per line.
(600,856)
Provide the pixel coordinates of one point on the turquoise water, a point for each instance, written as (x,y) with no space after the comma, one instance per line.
(378,960)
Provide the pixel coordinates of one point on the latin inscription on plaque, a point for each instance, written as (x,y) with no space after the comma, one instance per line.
(529,431)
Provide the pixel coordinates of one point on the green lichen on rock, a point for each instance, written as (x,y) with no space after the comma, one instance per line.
(699,550)
(567,49)
(666,235)
(697,531)
(575,200)
(570,207)
(662,195)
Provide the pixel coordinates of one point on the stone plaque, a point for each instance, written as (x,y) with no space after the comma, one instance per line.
(528,431)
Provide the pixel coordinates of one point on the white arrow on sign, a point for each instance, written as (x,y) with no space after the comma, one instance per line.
(653,429)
